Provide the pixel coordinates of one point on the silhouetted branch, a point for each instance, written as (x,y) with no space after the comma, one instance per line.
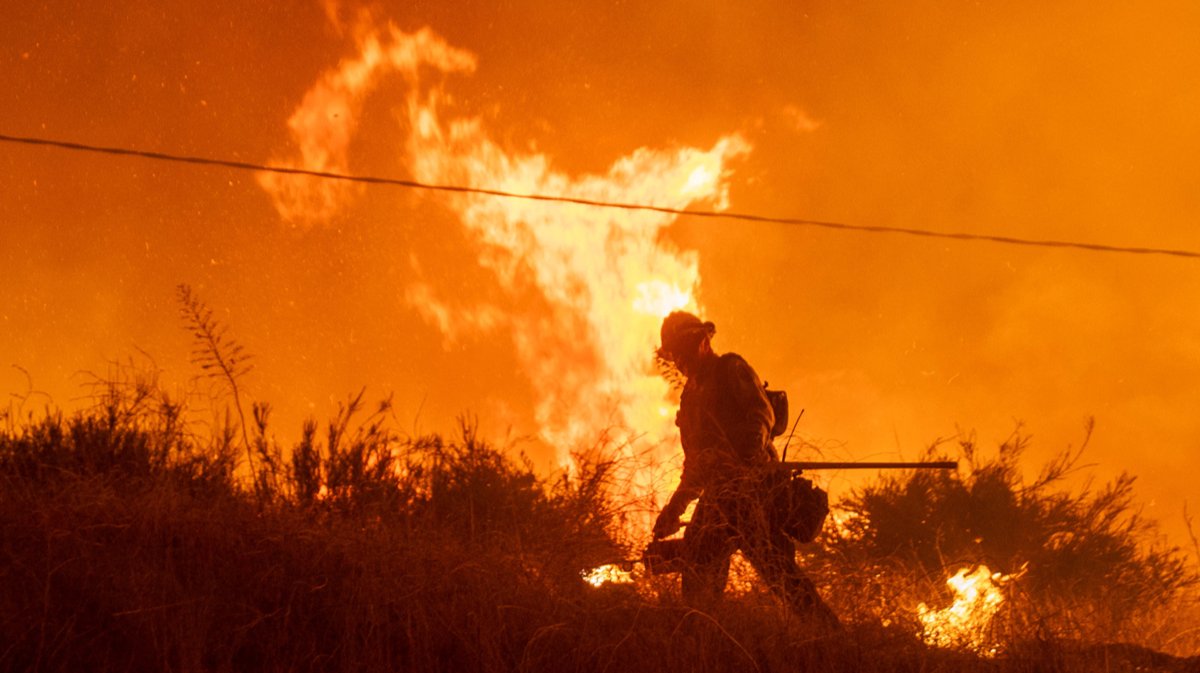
(218,356)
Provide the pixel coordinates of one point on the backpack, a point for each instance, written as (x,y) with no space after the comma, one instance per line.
(800,505)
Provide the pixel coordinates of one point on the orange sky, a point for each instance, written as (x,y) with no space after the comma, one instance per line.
(1071,122)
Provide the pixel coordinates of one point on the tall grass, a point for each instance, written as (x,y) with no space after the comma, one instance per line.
(129,540)
(129,543)
(133,538)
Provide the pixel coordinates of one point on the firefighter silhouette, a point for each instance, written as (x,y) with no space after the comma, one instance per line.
(725,422)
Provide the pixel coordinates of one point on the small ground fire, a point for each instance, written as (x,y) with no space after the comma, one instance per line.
(967,622)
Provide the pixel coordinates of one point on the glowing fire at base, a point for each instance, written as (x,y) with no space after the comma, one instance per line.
(967,623)
(607,574)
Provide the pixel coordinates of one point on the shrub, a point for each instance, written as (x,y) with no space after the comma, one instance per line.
(128,544)
(130,541)
(1090,566)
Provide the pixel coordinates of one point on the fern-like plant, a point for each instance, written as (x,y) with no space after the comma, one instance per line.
(218,356)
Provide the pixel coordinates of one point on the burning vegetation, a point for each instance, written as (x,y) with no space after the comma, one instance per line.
(1061,564)
(135,537)
(967,622)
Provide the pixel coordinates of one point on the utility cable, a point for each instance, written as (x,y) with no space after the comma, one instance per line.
(728,215)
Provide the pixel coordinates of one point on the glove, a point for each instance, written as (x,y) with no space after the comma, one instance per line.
(667,523)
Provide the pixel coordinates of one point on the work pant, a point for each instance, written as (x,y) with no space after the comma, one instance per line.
(723,524)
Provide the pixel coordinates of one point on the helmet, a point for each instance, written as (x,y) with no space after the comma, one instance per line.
(681,330)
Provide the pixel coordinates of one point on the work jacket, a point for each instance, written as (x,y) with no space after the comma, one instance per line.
(725,425)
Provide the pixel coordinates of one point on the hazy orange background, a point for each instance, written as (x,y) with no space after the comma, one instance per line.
(1072,121)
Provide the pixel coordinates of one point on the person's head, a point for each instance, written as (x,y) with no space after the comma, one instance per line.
(685,339)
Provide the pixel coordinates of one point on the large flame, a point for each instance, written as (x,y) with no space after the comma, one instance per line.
(604,277)
(967,622)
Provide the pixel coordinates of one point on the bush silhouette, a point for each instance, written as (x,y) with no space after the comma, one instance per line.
(1090,566)
(133,539)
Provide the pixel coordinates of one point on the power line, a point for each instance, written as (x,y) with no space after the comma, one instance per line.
(747,217)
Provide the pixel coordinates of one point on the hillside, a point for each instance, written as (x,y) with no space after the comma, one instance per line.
(132,540)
